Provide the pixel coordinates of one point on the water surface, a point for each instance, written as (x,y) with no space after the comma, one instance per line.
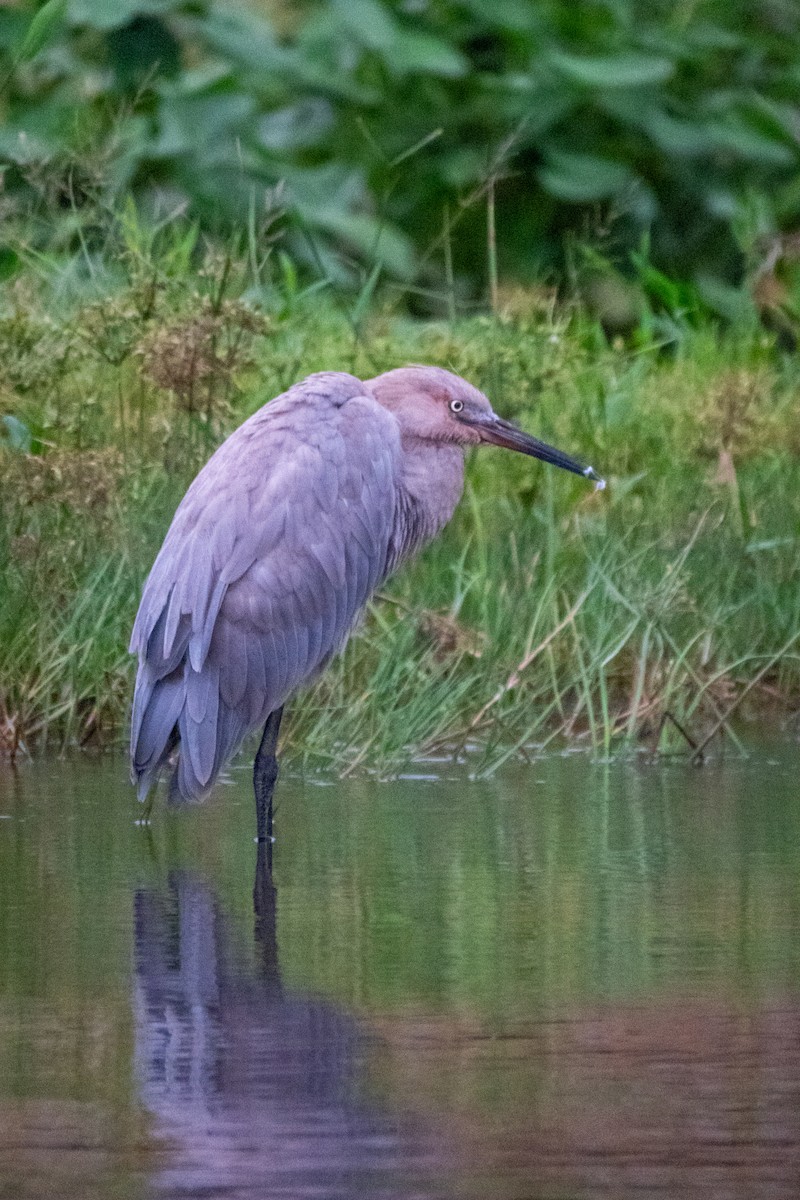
(576,981)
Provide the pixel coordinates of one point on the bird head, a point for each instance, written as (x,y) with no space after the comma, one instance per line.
(433,405)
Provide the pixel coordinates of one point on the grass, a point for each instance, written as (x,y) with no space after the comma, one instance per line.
(546,613)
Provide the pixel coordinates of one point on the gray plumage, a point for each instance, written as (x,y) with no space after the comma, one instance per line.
(278,544)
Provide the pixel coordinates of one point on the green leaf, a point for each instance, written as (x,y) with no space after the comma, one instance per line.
(240,37)
(364,298)
(613,71)
(735,304)
(417,53)
(581,178)
(199,124)
(738,135)
(42,29)
(13,27)
(296,126)
(369,22)
(9,262)
(685,139)
(519,15)
(111,14)
(371,239)
(15,434)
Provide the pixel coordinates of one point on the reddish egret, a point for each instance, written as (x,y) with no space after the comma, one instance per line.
(278,545)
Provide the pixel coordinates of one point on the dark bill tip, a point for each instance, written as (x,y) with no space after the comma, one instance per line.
(498,432)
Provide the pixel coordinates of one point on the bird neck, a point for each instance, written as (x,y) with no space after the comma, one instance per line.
(430,487)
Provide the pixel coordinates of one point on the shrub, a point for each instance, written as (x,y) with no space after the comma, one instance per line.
(372,131)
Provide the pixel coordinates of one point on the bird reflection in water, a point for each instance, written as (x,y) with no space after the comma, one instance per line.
(252,1086)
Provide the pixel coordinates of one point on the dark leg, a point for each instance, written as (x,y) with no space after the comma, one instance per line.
(265,772)
(265,906)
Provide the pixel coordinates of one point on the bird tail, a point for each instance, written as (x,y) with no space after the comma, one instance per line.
(183,708)
(154,726)
(193,776)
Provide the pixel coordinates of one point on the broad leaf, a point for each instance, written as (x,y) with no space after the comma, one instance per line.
(738,135)
(373,240)
(240,37)
(15,434)
(422,54)
(111,14)
(614,71)
(581,178)
(42,29)
(369,22)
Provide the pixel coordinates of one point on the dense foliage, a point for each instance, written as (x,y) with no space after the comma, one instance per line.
(547,610)
(375,131)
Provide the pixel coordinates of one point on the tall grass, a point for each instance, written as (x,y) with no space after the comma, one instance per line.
(652,614)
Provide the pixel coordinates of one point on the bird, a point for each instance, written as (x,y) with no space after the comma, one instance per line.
(275,550)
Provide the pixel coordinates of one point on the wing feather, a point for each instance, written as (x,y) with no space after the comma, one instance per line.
(257,686)
(198,721)
(230,661)
(314,633)
(157,706)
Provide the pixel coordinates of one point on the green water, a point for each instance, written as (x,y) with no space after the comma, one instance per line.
(577,980)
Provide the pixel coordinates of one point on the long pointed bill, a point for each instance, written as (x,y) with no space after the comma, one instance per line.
(503,433)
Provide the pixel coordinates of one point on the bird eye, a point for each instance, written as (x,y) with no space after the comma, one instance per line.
(456,405)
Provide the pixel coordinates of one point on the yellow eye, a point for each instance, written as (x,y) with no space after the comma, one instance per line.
(456,405)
